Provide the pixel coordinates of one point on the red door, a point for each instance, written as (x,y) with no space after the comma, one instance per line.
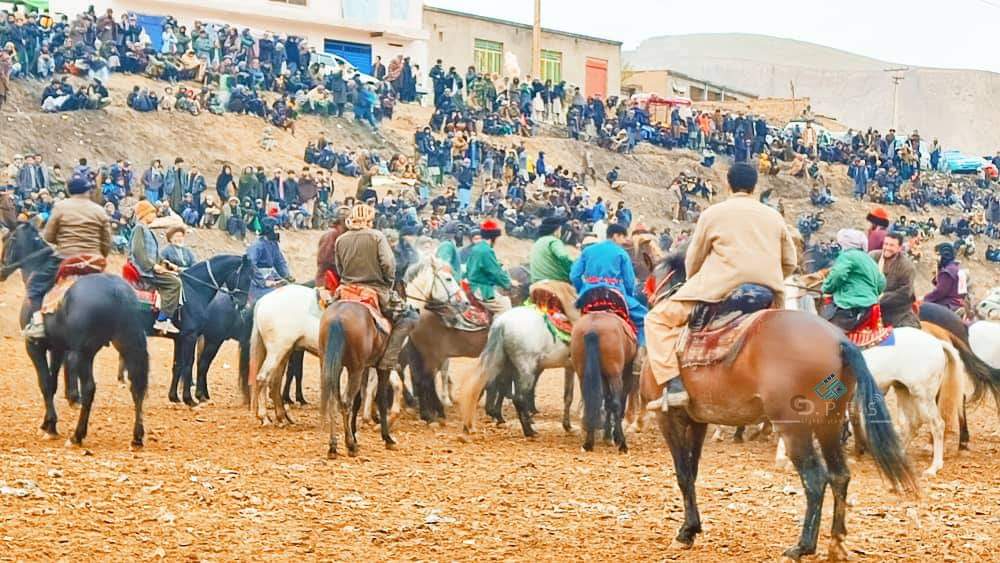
(597,78)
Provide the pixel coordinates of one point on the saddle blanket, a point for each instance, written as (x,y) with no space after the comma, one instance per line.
(556,302)
(464,317)
(709,347)
(367,297)
(557,323)
(69,271)
(871,332)
(608,300)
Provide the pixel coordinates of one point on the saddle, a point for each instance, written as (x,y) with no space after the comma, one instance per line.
(476,314)
(556,301)
(369,298)
(70,270)
(716,331)
(144,289)
(870,331)
(603,299)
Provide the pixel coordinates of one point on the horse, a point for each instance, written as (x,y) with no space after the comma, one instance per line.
(603,350)
(201,285)
(519,347)
(774,372)
(978,346)
(97,310)
(349,338)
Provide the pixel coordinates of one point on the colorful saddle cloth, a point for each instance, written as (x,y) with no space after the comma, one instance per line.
(144,290)
(871,331)
(608,300)
(556,302)
(369,298)
(69,271)
(716,331)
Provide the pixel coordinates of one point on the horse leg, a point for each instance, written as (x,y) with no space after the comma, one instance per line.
(620,393)
(122,370)
(82,366)
(205,359)
(928,412)
(814,479)
(47,383)
(569,380)
(524,385)
(70,378)
(443,384)
(860,441)
(963,429)
(350,403)
(175,373)
(608,414)
(384,397)
(685,439)
(188,343)
(494,397)
(738,436)
(295,370)
(267,370)
(136,361)
(287,390)
(274,389)
(839,476)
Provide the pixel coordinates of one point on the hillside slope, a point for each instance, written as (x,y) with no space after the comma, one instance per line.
(208,141)
(955,106)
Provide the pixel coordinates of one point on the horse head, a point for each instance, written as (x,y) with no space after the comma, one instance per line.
(668,276)
(238,282)
(432,281)
(21,246)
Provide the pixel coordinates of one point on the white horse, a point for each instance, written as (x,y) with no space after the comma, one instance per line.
(917,366)
(519,346)
(984,339)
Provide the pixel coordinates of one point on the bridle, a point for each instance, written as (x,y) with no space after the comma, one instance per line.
(8,269)
(215,285)
(449,295)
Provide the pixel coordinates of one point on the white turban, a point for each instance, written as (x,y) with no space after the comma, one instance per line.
(852,238)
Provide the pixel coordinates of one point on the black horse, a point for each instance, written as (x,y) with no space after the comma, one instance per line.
(98,310)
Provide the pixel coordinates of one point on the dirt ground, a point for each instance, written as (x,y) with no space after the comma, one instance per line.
(213,485)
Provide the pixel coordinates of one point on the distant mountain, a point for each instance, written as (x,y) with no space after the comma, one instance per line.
(956,106)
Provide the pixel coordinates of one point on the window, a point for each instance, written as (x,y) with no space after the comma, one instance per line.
(488,56)
(292,2)
(551,66)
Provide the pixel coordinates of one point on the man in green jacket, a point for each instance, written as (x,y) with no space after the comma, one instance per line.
(549,259)
(484,271)
(854,281)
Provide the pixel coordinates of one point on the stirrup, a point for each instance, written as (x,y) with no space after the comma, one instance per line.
(674,395)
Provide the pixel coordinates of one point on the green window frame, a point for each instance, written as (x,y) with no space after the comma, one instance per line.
(488,56)
(551,66)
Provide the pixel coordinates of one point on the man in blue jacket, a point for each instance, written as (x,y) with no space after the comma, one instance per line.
(606,264)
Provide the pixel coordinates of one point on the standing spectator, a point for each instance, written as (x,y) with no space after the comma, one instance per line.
(152,182)
(225,184)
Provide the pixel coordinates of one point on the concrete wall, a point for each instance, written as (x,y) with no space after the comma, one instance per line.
(320,20)
(452,39)
(649,81)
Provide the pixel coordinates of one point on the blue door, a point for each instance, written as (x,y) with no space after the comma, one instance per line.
(358,54)
(153,26)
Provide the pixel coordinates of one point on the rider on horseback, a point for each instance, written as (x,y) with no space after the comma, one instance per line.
(855,282)
(549,259)
(606,264)
(735,242)
(145,256)
(270,269)
(76,227)
(325,256)
(363,257)
(485,272)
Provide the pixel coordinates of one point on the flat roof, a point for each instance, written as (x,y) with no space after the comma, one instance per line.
(518,24)
(673,73)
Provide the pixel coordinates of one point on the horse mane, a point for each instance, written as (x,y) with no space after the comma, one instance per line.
(418,267)
(673,262)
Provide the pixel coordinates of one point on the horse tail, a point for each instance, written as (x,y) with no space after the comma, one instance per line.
(884,444)
(333,362)
(984,377)
(592,380)
(951,394)
(258,351)
(491,363)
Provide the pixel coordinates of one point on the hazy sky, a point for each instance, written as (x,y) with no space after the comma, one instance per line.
(955,34)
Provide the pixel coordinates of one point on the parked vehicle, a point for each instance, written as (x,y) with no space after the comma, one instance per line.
(332,62)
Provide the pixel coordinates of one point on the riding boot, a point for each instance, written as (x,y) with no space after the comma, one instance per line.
(674,394)
(402,325)
(35,329)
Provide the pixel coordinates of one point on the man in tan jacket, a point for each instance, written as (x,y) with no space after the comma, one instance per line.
(735,242)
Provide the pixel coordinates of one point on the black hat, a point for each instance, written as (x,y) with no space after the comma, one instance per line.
(549,225)
(77,185)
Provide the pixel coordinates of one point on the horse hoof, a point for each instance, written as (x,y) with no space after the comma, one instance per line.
(439,422)
(837,552)
(352,453)
(74,405)
(332,454)
(173,398)
(70,443)
(677,544)
(136,446)
(47,436)
(930,473)
(391,446)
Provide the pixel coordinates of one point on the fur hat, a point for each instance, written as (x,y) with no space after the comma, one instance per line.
(490,229)
(144,209)
(878,216)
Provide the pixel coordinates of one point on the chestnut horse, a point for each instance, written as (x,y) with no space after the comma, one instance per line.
(349,338)
(603,351)
(800,372)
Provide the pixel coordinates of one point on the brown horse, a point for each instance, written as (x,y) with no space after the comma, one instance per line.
(800,372)
(603,351)
(349,338)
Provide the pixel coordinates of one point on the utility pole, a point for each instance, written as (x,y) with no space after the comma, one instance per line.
(536,43)
(896,79)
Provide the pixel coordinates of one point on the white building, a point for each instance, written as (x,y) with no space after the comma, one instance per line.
(357,30)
